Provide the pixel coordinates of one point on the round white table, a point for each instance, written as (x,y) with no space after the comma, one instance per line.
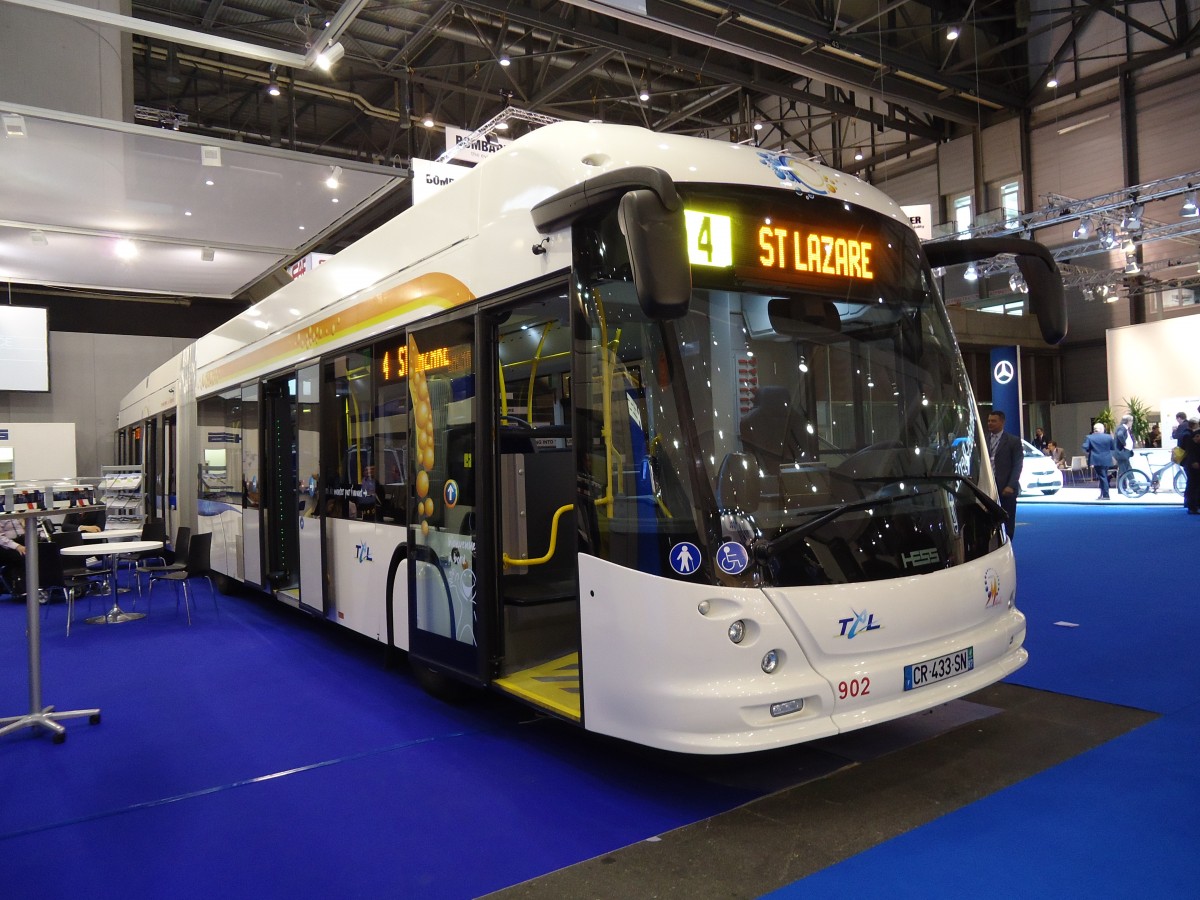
(115,549)
(112,534)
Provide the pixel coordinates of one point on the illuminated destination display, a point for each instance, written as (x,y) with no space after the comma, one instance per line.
(393,363)
(779,250)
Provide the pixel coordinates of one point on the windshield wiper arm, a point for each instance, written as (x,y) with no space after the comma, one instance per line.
(986,500)
(765,549)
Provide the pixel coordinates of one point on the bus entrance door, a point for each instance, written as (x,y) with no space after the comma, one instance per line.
(279,496)
(446,635)
(538,584)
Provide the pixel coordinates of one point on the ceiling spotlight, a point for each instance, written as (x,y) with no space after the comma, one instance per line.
(1088,295)
(1083,231)
(208,254)
(1016,283)
(758,126)
(971,273)
(803,364)
(334,179)
(1189,209)
(125,249)
(1132,220)
(952,33)
(1108,237)
(502,126)
(1102,291)
(504,60)
(1131,265)
(39,237)
(1052,83)
(858,155)
(330,55)
(428,122)
(643,92)
(272,84)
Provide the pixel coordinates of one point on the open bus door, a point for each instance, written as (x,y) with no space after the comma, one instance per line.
(538,585)
(447,633)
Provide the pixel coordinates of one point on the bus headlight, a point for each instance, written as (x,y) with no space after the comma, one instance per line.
(737,631)
(770,661)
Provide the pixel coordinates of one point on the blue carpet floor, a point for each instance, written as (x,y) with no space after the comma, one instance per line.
(1121,820)
(229,776)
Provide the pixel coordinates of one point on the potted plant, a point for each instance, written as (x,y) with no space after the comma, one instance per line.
(1140,410)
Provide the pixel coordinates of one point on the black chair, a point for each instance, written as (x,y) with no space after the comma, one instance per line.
(167,560)
(53,578)
(154,530)
(197,566)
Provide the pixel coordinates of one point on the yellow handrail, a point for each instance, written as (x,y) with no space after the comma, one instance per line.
(542,560)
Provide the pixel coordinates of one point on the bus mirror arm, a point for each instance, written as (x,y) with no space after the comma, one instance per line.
(1037,266)
(651,218)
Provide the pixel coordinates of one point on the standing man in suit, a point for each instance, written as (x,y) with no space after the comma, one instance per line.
(1099,448)
(1124,440)
(1007,458)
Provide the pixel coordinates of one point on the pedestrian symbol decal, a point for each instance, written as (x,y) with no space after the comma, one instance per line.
(732,558)
(685,558)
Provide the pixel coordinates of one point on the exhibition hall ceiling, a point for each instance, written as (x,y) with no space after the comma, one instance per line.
(852,83)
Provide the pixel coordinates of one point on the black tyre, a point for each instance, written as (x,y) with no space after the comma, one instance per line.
(1134,483)
(1180,481)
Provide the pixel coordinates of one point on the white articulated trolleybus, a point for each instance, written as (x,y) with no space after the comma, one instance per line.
(667,437)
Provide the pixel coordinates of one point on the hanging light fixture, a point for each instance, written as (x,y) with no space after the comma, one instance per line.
(1131,265)
(1052,83)
(643,92)
(272,84)
(1083,230)
(428,122)
(504,60)
(1132,220)
(1189,209)
(1016,283)
(858,155)
(971,273)
(952,33)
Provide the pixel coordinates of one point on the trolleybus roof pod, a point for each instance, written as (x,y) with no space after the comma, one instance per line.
(1037,266)
(651,218)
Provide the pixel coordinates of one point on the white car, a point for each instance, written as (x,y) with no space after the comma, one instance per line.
(1039,473)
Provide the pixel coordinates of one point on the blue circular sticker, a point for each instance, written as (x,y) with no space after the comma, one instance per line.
(732,558)
(450,493)
(685,558)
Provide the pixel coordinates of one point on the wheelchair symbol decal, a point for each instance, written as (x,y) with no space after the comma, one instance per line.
(732,558)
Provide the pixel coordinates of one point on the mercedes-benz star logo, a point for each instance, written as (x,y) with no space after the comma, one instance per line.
(1003,373)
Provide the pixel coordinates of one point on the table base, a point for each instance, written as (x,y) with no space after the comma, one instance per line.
(115,616)
(48,719)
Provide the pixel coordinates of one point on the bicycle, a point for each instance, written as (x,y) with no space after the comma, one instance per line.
(1136,482)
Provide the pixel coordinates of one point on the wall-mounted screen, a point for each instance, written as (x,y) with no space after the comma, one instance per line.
(24,364)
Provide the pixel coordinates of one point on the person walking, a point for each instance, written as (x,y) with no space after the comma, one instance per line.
(1125,442)
(1007,458)
(1099,448)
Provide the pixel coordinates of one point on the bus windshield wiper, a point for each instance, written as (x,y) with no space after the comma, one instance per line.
(765,549)
(985,499)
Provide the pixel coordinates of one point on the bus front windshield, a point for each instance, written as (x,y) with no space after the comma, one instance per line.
(824,425)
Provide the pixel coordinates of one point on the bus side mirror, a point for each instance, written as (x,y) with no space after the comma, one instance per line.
(656,238)
(1047,300)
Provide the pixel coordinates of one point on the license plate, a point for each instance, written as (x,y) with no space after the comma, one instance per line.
(931,670)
